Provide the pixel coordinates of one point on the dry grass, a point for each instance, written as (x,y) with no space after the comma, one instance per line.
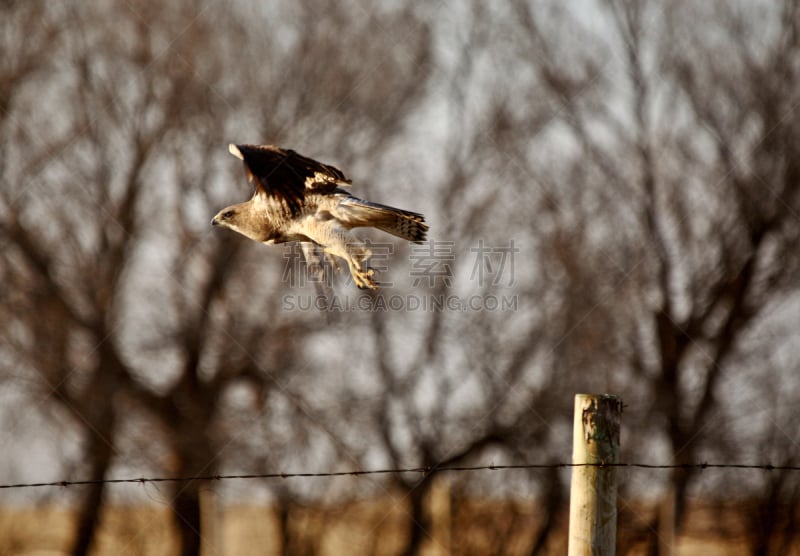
(369,527)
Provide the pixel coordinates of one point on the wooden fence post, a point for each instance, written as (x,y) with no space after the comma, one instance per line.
(593,492)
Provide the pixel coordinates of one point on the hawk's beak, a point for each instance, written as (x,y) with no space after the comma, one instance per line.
(214,221)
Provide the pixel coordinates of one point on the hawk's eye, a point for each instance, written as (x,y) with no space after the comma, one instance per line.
(227,214)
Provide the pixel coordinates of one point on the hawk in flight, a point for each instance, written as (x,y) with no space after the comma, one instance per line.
(299,199)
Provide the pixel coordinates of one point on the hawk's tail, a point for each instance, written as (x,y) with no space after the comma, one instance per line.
(401,223)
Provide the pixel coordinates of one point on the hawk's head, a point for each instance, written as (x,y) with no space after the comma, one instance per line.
(239,218)
(227,218)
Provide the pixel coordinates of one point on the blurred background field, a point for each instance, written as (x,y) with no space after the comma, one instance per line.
(371,527)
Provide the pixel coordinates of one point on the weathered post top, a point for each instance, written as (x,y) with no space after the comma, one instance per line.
(593,491)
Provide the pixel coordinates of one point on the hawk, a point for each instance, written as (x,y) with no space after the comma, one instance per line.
(299,199)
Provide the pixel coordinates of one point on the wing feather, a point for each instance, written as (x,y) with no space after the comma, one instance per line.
(287,175)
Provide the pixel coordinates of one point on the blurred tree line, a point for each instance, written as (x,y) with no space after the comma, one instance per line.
(628,173)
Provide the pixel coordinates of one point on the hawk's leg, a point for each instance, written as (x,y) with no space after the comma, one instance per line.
(362,274)
(337,241)
(319,263)
(356,255)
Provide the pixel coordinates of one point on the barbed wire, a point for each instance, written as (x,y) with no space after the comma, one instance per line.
(421,470)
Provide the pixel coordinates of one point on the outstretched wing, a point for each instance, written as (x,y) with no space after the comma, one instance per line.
(287,175)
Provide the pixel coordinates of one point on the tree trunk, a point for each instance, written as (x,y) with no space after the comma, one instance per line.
(186,513)
(100,451)
(283,527)
(418,523)
(553,501)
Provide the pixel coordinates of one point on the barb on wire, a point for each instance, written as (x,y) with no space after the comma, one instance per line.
(421,470)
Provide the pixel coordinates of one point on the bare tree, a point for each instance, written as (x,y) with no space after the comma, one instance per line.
(119,291)
(696,155)
(663,230)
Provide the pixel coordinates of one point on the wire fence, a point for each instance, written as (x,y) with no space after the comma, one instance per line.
(420,470)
